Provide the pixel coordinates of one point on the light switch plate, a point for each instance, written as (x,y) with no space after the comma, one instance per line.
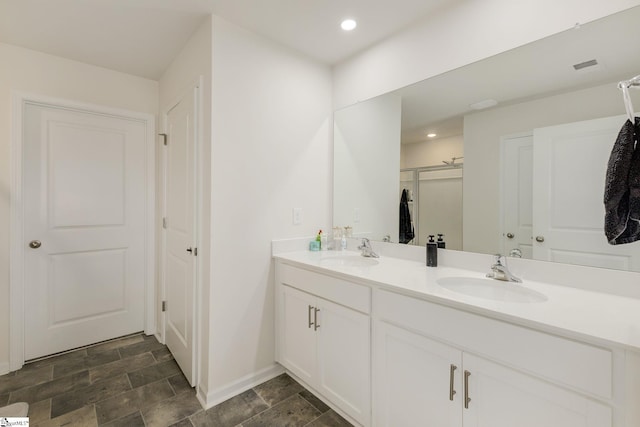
(297,216)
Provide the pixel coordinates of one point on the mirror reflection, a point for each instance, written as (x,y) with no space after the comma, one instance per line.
(506,153)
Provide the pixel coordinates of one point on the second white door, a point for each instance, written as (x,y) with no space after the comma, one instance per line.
(180,250)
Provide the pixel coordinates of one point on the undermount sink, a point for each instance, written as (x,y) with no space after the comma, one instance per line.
(348,261)
(491,289)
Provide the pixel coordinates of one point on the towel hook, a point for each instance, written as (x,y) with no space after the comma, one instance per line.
(624,86)
(627,103)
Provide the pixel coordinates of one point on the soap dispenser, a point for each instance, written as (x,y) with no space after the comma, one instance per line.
(440,241)
(432,252)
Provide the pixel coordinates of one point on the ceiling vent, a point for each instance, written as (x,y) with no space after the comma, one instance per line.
(585,64)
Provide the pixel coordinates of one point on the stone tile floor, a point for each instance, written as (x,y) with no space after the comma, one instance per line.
(134,381)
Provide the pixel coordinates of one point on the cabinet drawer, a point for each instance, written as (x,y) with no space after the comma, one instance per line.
(339,291)
(560,360)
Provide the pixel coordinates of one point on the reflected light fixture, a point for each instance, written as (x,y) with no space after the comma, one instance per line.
(431,135)
(348,24)
(487,103)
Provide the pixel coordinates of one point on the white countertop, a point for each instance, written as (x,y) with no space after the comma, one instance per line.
(598,317)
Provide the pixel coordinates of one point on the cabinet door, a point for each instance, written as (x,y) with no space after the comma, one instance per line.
(502,397)
(414,380)
(297,335)
(344,367)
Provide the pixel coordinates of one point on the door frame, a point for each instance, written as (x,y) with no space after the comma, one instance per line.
(504,140)
(17,307)
(199,166)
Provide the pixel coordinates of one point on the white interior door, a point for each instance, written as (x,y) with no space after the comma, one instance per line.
(179,258)
(84,225)
(517,194)
(570,163)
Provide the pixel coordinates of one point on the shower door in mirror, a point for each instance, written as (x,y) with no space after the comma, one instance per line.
(440,206)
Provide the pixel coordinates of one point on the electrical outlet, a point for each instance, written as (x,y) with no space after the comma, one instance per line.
(297,216)
(356,215)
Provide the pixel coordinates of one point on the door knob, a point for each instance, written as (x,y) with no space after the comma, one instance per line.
(539,239)
(189,250)
(35,244)
(510,235)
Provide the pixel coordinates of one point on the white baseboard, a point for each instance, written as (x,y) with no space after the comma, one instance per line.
(4,368)
(209,399)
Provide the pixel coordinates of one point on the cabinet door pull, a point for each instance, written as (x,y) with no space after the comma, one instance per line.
(309,316)
(316,325)
(467,374)
(452,392)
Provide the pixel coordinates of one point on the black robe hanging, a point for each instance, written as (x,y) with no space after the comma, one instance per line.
(622,187)
(406,227)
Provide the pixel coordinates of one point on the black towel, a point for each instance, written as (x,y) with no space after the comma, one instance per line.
(406,227)
(622,187)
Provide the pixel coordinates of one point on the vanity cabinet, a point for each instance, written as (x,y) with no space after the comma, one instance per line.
(418,380)
(386,356)
(425,381)
(421,382)
(323,343)
(504,397)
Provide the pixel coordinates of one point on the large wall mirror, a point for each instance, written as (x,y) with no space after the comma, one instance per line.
(506,153)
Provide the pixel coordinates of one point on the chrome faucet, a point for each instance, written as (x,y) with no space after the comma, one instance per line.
(500,271)
(367,250)
(515,253)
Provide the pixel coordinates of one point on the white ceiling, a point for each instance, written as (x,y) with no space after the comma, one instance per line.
(539,69)
(141,37)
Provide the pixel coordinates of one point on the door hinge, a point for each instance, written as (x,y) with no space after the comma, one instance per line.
(164,137)
(164,222)
(164,306)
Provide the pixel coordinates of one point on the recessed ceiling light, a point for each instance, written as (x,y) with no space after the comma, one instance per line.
(431,135)
(349,24)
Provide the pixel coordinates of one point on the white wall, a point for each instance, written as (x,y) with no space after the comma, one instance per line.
(29,71)
(431,152)
(191,64)
(459,34)
(367,167)
(271,151)
(482,132)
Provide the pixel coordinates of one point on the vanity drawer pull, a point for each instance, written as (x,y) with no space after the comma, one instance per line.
(452,374)
(316,325)
(309,316)
(467,399)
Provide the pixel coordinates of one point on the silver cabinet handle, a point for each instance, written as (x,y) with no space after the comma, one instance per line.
(452,374)
(35,244)
(510,235)
(539,239)
(309,314)
(316,325)
(467,374)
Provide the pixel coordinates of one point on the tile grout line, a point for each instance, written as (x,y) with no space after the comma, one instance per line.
(269,407)
(261,398)
(277,404)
